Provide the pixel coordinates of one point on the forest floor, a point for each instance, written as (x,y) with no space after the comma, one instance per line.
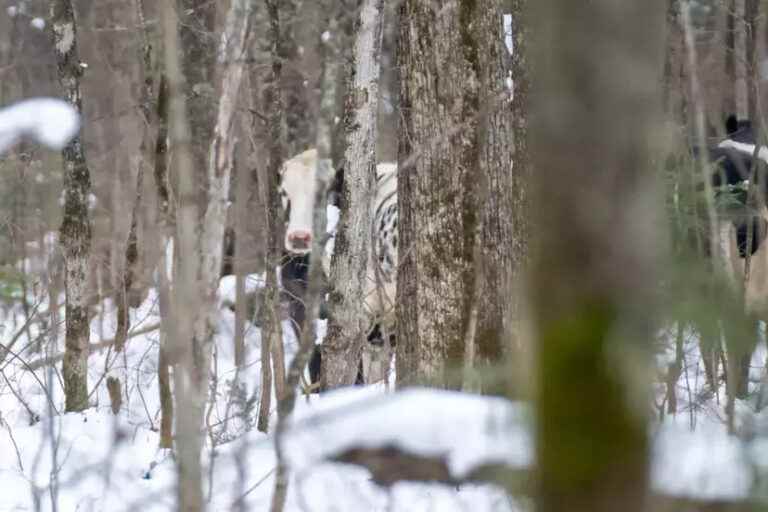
(96,460)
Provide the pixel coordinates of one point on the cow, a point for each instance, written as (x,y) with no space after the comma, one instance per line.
(742,227)
(297,187)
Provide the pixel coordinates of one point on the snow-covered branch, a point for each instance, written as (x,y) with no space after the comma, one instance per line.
(47,121)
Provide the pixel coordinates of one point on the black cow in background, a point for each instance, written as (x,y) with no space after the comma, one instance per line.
(737,166)
(738,177)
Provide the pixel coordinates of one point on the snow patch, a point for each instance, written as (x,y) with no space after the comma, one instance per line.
(508,33)
(49,121)
(65,37)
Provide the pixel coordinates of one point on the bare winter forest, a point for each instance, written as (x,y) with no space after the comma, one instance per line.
(369,255)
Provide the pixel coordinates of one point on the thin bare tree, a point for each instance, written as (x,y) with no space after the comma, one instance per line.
(75,232)
(268,177)
(200,234)
(330,44)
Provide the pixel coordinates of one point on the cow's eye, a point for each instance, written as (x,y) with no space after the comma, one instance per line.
(284,199)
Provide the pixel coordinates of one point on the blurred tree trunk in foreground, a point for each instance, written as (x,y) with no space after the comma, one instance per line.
(597,70)
(75,230)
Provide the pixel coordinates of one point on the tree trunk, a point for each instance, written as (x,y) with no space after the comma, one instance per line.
(299,117)
(752,27)
(729,93)
(740,61)
(349,322)
(200,234)
(503,213)
(147,104)
(163,216)
(454,154)
(75,230)
(521,164)
(593,275)
(330,42)
(268,177)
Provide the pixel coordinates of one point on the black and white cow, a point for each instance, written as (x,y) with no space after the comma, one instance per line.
(298,190)
(734,158)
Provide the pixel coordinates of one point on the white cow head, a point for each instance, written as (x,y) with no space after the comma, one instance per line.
(298,186)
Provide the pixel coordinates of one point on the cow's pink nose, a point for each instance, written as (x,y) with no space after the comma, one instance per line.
(300,239)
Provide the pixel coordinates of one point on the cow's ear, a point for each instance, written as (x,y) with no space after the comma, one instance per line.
(731,124)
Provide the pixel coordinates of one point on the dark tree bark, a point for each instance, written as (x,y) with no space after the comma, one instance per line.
(268,177)
(75,229)
(299,124)
(455,150)
(521,160)
(148,108)
(197,36)
(593,273)
(752,27)
(330,49)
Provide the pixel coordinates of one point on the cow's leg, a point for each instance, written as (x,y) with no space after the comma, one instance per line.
(293,276)
(315,367)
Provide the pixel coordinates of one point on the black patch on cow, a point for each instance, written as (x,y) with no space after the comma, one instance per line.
(759,228)
(228,249)
(316,365)
(739,130)
(375,337)
(731,124)
(336,189)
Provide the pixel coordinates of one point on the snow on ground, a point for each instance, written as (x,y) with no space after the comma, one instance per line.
(112,462)
(423,421)
(106,461)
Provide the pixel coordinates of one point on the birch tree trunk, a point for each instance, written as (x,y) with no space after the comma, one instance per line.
(75,229)
(593,275)
(349,322)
